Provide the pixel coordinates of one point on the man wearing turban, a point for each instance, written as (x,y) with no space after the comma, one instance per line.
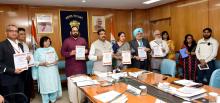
(139,41)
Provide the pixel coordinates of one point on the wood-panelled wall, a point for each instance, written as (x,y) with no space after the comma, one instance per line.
(180,18)
(21,15)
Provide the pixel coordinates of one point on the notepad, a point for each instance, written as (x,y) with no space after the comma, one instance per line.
(183,53)
(204,67)
(185,82)
(87,83)
(189,91)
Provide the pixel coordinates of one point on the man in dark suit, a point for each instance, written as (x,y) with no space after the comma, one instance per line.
(10,77)
(139,41)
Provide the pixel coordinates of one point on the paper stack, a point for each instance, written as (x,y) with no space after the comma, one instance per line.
(190,93)
(185,82)
(83,81)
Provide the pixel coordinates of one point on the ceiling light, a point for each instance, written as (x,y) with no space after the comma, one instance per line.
(192,3)
(150,1)
(83,1)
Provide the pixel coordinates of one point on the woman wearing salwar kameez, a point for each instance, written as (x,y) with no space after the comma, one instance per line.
(190,63)
(46,71)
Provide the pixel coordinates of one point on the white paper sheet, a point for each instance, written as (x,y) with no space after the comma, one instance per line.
(87,83)
(50,57)
(157,51)
(20,61)
(189,91)
(205,67)
(80,78)
(126,57)
(80,52)
(185,82)
(141,53)
(107,58)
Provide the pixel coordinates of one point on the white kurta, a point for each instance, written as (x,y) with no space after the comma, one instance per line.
(97,49)
(207,50)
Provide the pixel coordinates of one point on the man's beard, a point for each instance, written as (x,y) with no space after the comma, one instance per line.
(158,40)
(207,37)
(75,35)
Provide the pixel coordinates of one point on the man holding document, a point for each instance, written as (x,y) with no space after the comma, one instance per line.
(101,53)
(11,78)
(74,50)
(27,77)
(139,49)
(206,51)
(159,51)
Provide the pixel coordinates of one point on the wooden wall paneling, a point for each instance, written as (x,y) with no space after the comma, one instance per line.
(188,17)
(162,25)
(160,12)
(123,23)
(140,18)
(16,14)
(214,15)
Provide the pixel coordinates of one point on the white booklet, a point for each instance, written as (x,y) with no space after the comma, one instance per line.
(50,57)
(20,61)
(80,78)
(204,67)
(80,52)
(87,83)
(189,91)
(126,57)
(157,51)
(142,53)
(107,58)
(185,82)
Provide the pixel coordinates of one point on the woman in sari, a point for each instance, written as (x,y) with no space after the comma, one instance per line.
(46,71)
(118,47)
(190,63)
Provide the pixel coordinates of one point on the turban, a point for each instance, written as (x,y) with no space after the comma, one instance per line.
(136,31)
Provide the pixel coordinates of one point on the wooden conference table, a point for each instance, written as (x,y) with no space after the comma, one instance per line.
(153,93)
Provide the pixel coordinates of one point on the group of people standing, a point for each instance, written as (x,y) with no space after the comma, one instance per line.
(202,53)
(45,69)
(17,83)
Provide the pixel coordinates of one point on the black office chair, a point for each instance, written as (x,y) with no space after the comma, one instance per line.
(21,96)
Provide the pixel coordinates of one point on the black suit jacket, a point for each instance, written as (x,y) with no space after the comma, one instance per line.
(7,76)
(134,51)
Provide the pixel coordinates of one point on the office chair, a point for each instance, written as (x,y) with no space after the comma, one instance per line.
(168,67)
(21,96)
(215,78)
